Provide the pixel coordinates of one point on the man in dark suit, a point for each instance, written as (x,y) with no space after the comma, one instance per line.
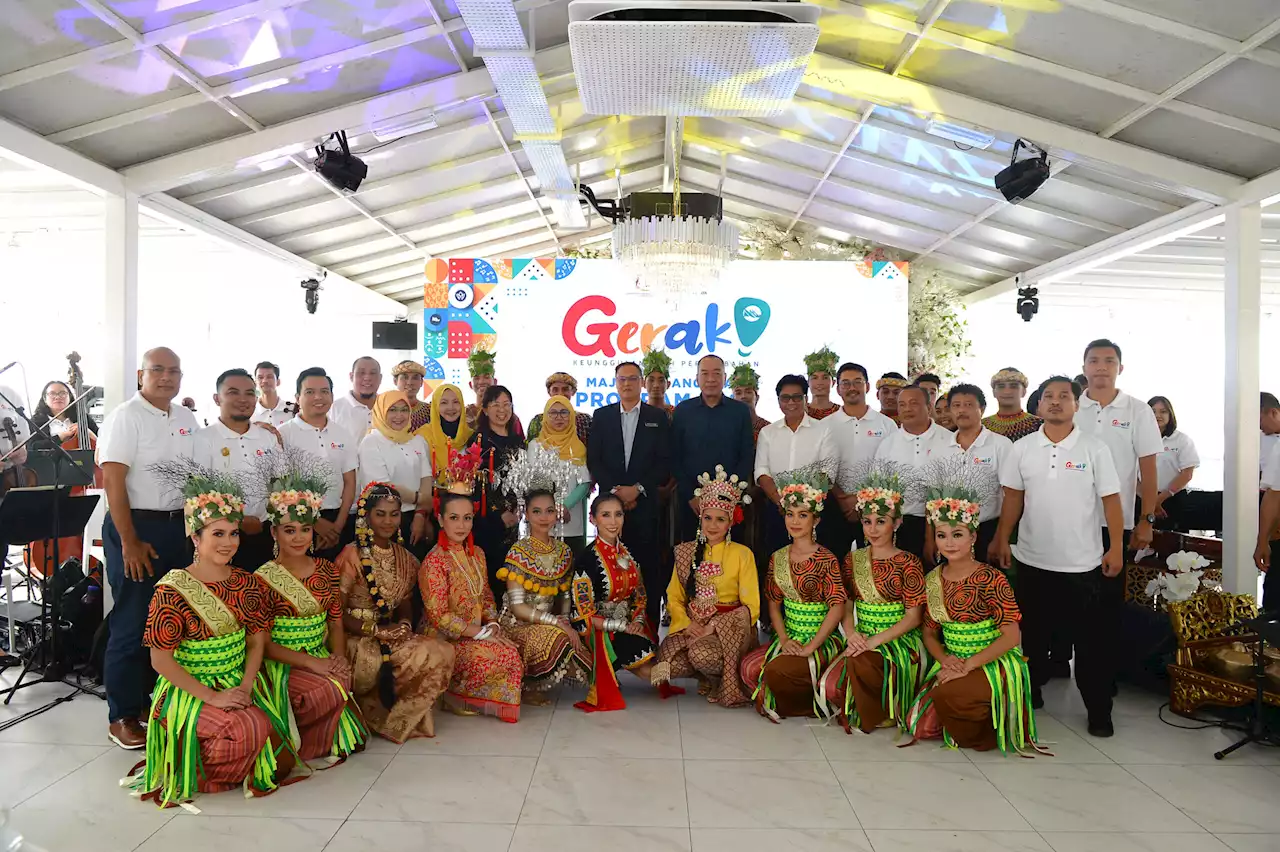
(627,455)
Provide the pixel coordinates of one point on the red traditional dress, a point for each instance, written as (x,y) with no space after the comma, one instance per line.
(325,719)
(821,413)
(1013,426)
(486,675)
(757,423)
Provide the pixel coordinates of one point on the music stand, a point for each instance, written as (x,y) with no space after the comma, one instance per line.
(1267,628)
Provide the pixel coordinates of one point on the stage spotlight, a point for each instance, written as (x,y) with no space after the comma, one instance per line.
(340,168)
(1028,303)
(1020,181)
(312,288)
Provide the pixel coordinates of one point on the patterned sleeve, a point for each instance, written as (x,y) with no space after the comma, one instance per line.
(330,572)
(166,620)
(640,603)
(490,603)
(433,582)
(257,615)
(349,573)
(772,592)
(846,574)
(833,591)
(913,592)
(582,589)
(998,597)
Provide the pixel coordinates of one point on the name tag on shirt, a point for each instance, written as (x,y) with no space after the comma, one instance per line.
(651,425)
(1076,466)
(1120,424)
(989,461)
(337,445)
(185,432)
(875,433)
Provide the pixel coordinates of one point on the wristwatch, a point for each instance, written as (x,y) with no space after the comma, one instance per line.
(1149,518)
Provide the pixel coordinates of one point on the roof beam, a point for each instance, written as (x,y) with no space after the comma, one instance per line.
(442,94)
(845,79)
(34,151)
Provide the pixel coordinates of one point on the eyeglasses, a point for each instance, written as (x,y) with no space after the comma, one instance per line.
(790,397)
(627,380)
(852,383)
(159,371)
(57,394)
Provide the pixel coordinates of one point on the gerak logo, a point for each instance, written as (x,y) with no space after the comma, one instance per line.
(586,336)
(1076,466)
(1120,424)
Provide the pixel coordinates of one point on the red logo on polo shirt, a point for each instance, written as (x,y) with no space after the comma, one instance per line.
(875,433)
(334,445)
(1120,424)
(182,431)
(1076,466)
(260,453)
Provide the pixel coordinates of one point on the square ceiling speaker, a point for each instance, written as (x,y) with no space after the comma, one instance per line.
(690,57)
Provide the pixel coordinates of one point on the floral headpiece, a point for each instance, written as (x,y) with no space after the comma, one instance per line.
(459,476)
(208,495)
(1009,375)
(480,363)
(656,361)
(822,361)
(744,376)
(407,366)
(888,381)
(295,482)
(804,487)
(562,378)
(722,492)
(955,490)
(878,489)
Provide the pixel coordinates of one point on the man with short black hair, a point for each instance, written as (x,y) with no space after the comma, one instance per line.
(1009,386)
(911,447)
(232,443)
(983,449)
(271,407)
(354,410)
(856,432)
(745,384)
(1060,488)
(656,366)
(888,387)
(932,384)
(314,431)
(1269,424)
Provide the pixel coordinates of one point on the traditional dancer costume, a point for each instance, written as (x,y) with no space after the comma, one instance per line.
(193,746)
(486,675)
(314,712)
(882,683)
(990,706)
(1012,426)
(725,600)
(822,361)
(787,684)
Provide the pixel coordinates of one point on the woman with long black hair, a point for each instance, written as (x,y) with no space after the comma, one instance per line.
(497,523)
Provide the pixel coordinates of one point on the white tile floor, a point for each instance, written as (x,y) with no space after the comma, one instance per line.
(669,776)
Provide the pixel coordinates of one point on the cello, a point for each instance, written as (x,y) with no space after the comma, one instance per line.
(39,553)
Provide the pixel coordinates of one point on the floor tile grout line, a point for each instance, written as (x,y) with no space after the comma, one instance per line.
(684,775)
(60,778)
(159,829)
(813,732)
(1158,794)
(555,708)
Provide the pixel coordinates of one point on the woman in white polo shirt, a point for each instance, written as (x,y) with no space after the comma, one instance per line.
(390,453)
(1177,462)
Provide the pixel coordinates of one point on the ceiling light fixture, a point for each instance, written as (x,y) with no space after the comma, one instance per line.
(340,168)
(1022,178)
(396,127)
(963,134)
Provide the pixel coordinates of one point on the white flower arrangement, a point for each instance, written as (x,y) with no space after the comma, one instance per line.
(1184,577)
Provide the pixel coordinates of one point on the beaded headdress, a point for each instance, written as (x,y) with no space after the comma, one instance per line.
(822,361)
(295,482)
(408,366)
(208,495)
(955,490)
(878,488)
(538,469)
(562,378)
(480,363)
(744,376)
(1009,375)
(804,487)
(888,381)
(722,491)
(372,493)
(656,361)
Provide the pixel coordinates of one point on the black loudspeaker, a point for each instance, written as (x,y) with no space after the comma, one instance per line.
(395,335)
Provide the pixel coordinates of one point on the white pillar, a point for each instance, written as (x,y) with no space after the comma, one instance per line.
(1242,311)
(120,299)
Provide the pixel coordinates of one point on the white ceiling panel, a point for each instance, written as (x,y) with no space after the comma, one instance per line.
(137,143)
(858,41)
(37,31)
(1214,146)
(1244,89)
(1237,19)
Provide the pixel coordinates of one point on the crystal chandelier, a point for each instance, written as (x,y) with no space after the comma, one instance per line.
(672,256)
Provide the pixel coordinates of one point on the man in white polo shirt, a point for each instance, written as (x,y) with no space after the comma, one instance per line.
(143,535)
(910,448)
(856,432)
(271,406)
(985,450)
(233,443)
(314,431)
(793,442)
(1060,484)
(354,410)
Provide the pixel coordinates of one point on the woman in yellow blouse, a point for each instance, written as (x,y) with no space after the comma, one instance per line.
(713,599)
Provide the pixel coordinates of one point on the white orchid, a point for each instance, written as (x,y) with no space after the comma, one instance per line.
(1186,560)
(1179,587)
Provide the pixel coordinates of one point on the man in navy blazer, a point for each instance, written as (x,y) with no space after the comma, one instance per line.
(628,455)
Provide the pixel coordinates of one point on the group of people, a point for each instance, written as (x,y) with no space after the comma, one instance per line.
(359,561)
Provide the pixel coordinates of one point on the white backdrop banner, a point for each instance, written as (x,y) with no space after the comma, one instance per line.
(585,317)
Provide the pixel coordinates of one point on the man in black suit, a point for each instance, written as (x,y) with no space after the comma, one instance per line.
(627,455)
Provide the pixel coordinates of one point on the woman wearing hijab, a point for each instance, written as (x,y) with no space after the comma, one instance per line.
(391,453)
(559,434)
(446,428)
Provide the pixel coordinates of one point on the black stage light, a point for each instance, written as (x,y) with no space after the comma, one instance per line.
(312,287)
(1020,181)
(340,168)
(1028,304)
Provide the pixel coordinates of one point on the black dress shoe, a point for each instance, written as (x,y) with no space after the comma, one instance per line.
(1037,699)
(1101,728)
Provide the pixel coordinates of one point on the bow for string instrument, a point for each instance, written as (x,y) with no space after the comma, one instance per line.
(16,476)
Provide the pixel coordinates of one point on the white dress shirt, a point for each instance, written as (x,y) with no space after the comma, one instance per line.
(332,443)
(1266,443)
(630,422)
(1063,485)
(1179,453)
(1128,427)
(856,439)
(278,416)
(1271,469)
(222,448)
(907,450)
(989,453)
(779,449)
(353,415)
(403,465)
(138,434)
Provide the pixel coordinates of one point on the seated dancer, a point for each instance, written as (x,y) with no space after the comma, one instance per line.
(806,602)
(978,694)
(396,674)
(306,664)
(207,628)
(877,679)
(714,600)
(536,574)
(607,602)
(460,609)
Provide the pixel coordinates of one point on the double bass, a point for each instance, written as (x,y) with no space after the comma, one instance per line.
(39,552)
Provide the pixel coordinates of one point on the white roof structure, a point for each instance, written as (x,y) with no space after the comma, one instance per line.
(1156,114)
